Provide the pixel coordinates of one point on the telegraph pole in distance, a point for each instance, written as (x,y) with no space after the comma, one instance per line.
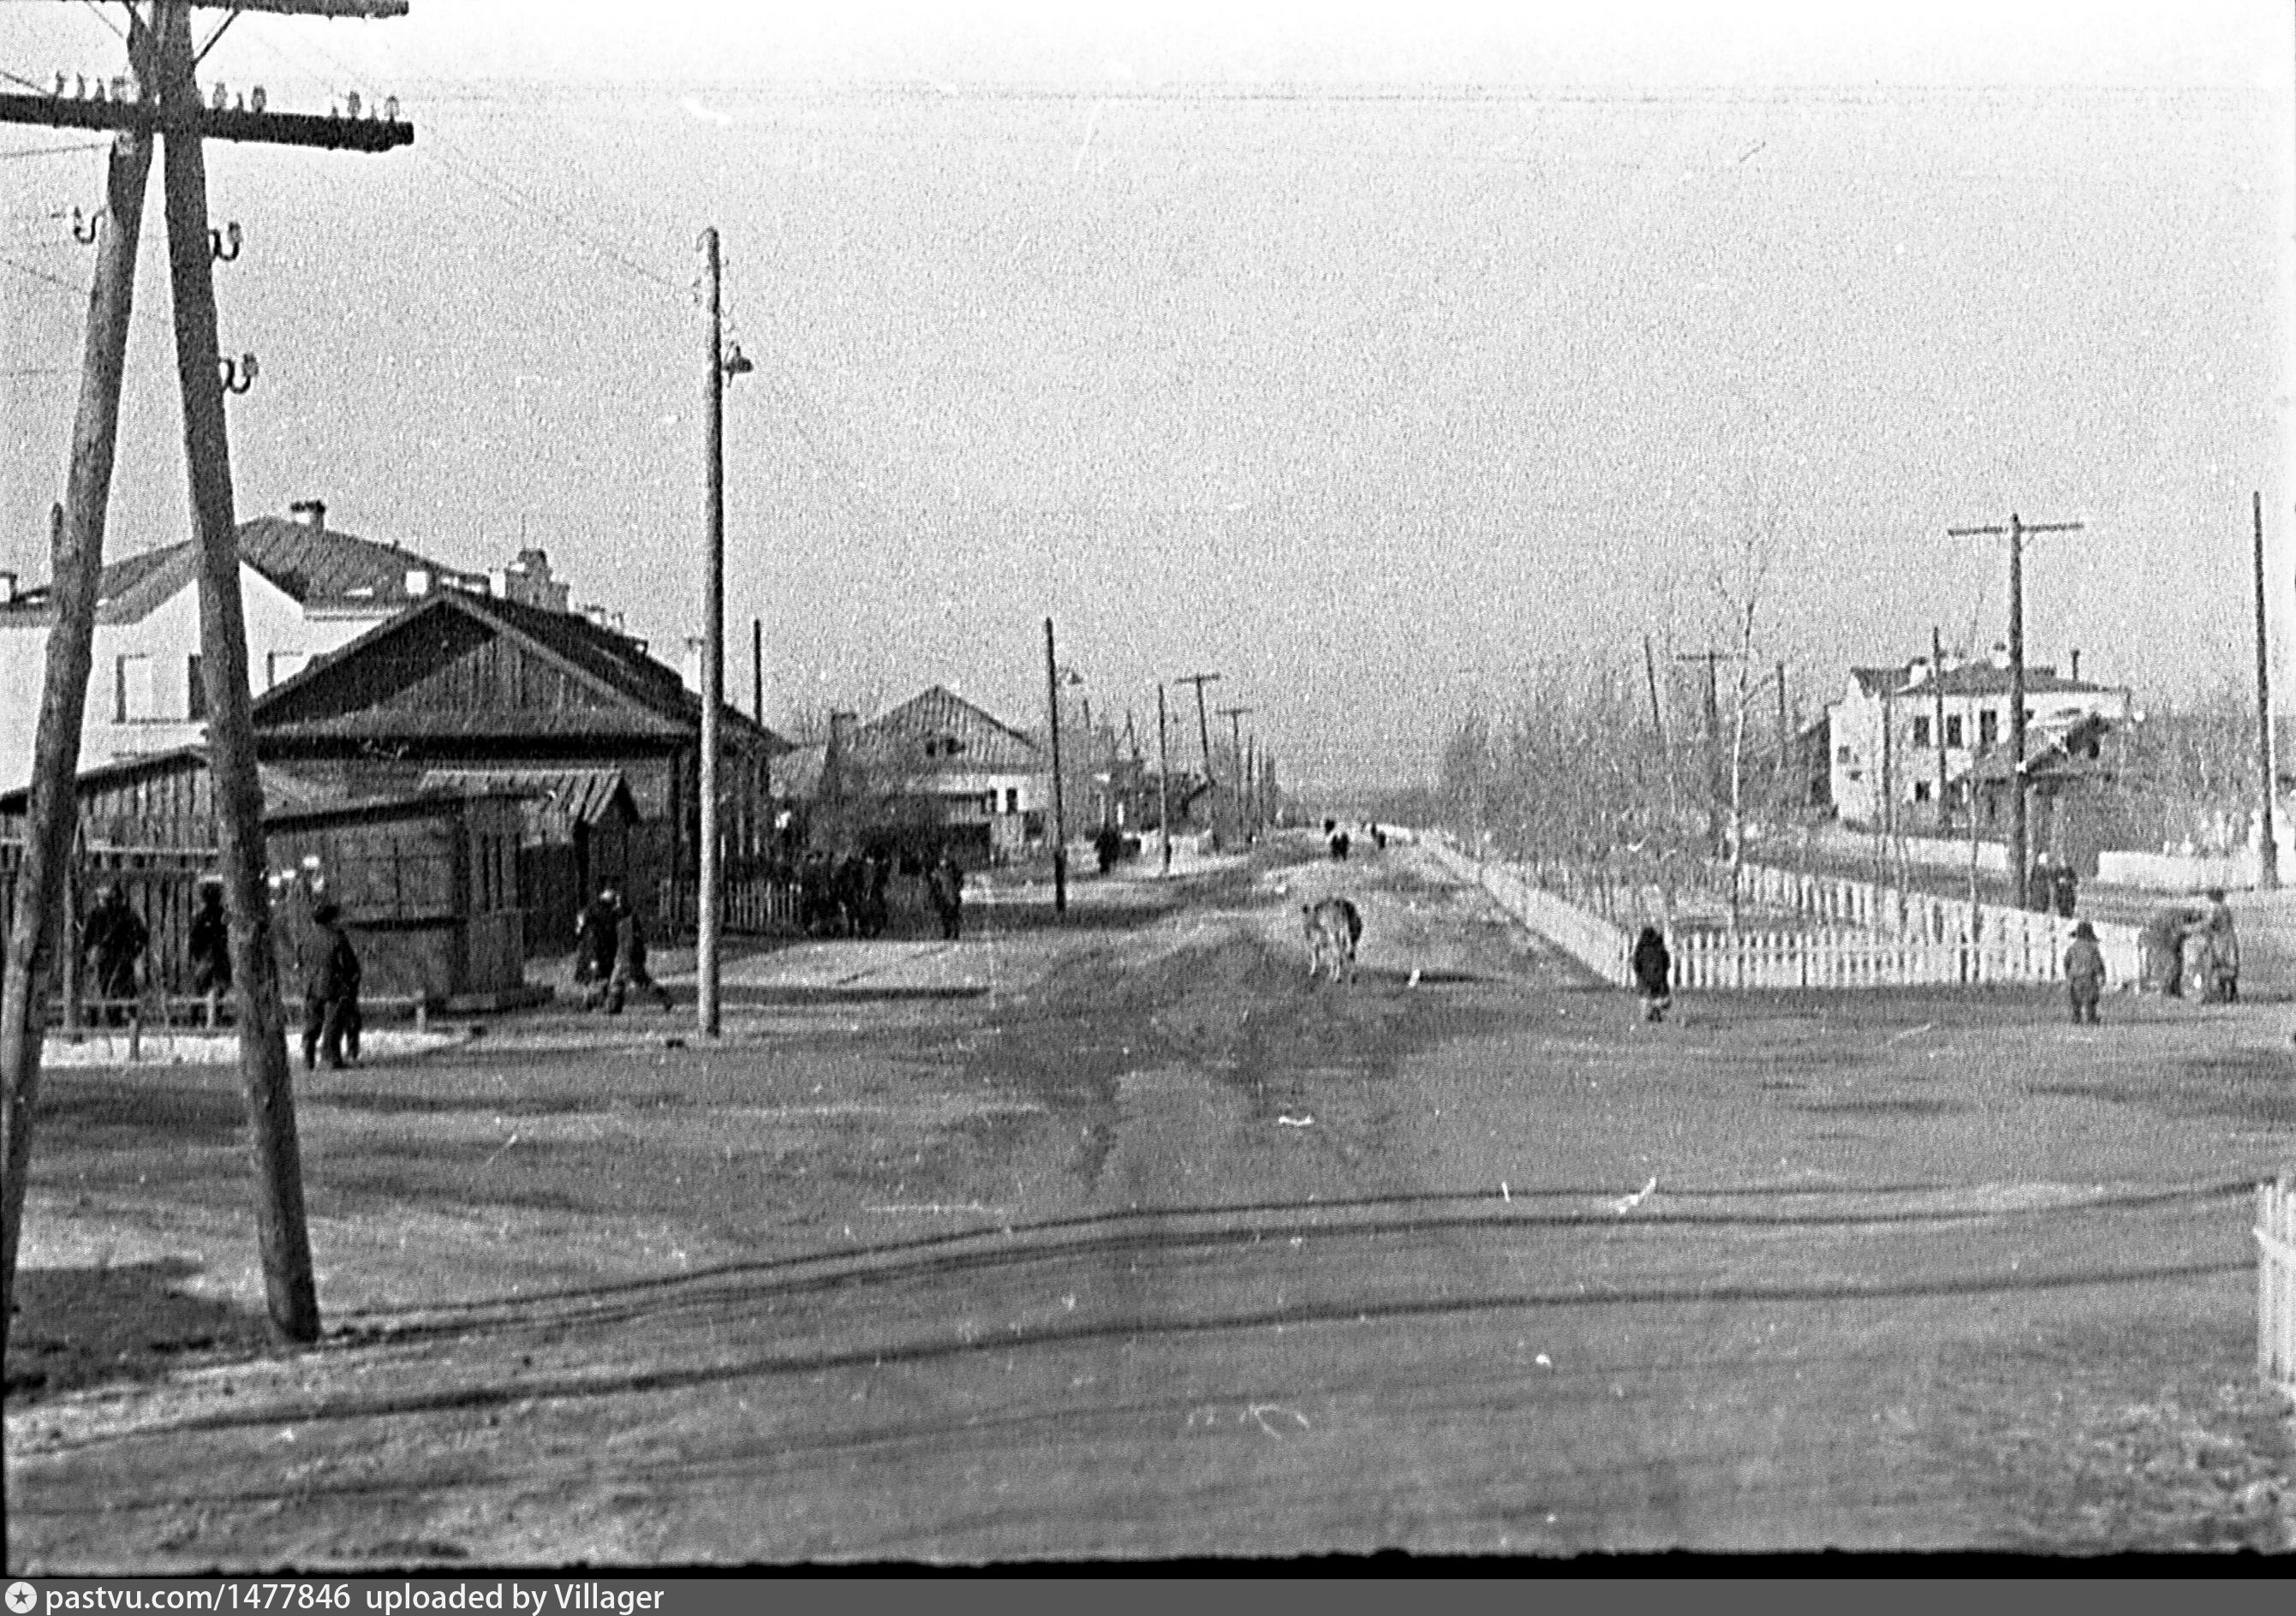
(2016,531)
(757,670)
(2267,853)
(1060,812)
(1203,723)
(1163,782)
(1234,716)
(1937,684)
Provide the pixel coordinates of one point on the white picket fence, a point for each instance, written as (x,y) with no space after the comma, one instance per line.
(1866,936)
(2275,1284)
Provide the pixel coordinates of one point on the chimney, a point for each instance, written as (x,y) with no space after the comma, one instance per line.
(692,668)
(2076,664)
(1919,673)
(311,513)
(8,582)
(528,581)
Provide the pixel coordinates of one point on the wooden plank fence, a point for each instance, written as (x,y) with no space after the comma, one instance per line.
(2275,1282)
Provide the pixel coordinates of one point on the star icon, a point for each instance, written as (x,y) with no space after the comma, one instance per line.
(22,1598)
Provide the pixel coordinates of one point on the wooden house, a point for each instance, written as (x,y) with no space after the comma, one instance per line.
(427,883)
(600,741)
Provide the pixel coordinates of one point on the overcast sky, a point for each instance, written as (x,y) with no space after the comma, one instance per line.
(1379,357)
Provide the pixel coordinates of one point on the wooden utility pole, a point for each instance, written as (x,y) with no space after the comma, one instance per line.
(706,921)
(1203,723)
(167,103)
(1937,685)
(1234,716)
(2267,852)
(76,556)
(2016,531)
(1059,811)
(757,670)
(1163,783)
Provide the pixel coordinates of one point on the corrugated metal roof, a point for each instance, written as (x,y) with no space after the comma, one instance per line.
(584,795)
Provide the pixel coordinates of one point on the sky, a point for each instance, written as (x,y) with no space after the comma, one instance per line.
(1389,360)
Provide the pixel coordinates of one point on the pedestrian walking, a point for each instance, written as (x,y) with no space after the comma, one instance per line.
(596,941)
(207,950)
(2219,965)
(630,960)
(330,969)
(2064,886)
(946,886)
(114,940)
(2084,973)
(1653,968)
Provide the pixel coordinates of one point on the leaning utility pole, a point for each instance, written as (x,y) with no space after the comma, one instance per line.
(1203,723)
(2267,852)
(167,103)
(1163,783)
(2016,531)
(1059,811)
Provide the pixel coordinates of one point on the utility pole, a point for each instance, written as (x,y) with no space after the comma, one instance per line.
(1234,716)
(167,103)
(1163,783)
(2267,852)
(1060,812)
(2016,531)
(757,670)
(706,921)
(1936,685)
(77,555)
(1203,723)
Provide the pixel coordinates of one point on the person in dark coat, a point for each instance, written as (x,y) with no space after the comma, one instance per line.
(596,940)
(630,960)
(329,968)
(207,950)
(946,885)
(1653,968)
(2219,962)
(2064,886)
(2161,946)
(2084,973)
(114,940)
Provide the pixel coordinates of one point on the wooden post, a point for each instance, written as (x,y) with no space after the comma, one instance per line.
(280,1225)
(2020,854)
(43,883)
(706,921)
(1937,677)
(1163,782)
(2267,852)
(1060,812)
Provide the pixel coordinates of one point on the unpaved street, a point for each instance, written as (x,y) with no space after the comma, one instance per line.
(1152,1248)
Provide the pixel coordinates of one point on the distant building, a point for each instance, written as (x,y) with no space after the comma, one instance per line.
(1886,741)
(306,590)
(936,771)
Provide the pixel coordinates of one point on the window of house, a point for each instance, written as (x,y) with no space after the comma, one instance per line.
(989,802)
(195,689)
(133,697)
(1921,730)
(1921,791)
(1988,727)
(1012,799)
(1952,729)
(1841,754)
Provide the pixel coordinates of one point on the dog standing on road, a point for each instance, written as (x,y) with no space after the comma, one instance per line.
(1333,926)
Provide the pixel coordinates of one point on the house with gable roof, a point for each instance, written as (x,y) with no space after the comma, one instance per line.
(306,590)
(473,694)
(936,772)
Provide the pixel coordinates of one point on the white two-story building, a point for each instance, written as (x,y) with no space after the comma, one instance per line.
(305,590)
(1954,715)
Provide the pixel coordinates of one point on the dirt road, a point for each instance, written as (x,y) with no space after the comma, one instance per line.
(1153,1248)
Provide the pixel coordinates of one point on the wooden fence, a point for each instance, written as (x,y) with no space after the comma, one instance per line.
(1865,936)
(2275,1282)
(760,907)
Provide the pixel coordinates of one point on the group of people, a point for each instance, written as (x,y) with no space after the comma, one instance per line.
(2181,942)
